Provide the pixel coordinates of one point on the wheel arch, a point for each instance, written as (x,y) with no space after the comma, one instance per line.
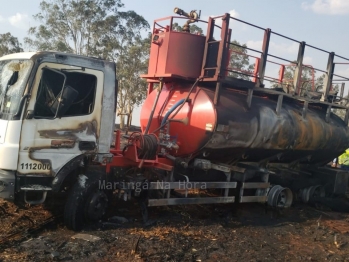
(67,173)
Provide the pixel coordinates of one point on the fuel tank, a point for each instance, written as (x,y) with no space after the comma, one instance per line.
(230,131)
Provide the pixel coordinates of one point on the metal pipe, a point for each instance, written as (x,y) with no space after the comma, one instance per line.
(245,47)
(318,48)
(153,109)
(342,57)
(341,77)
(193,16)
(289,38)
(277,57)
(256,26)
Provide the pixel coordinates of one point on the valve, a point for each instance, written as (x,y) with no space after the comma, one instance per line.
(193,17)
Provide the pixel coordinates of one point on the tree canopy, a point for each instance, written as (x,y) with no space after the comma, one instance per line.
(9,44)
(306,80)
(86,27)
(132,61)
(239,61)
(194,29)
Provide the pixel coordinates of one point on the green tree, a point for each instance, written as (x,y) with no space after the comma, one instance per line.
(194,29)
(306,82)
(83,27)
(239,61)
(9,44)
(131,63)
(319,82)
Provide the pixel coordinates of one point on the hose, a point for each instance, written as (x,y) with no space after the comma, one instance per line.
(183,102)
(187,98)
(147,145)
(169,112)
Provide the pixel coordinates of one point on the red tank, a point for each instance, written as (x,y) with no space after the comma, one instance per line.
(198,116)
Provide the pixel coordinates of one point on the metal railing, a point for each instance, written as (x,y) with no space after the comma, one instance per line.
(258,75)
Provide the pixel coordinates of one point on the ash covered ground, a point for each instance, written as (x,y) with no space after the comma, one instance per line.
(249,232)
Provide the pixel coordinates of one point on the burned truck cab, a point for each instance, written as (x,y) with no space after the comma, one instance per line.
(56,111)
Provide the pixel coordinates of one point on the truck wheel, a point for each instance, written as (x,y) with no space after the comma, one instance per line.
(86,202)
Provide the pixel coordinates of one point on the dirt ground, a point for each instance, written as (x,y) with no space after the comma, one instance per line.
(249,232)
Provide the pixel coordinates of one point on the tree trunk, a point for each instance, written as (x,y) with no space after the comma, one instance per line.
(122,122)
(129,117)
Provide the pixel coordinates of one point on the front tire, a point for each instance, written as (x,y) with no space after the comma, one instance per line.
(86,203)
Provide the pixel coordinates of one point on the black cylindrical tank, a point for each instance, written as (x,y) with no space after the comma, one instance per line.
(230,131)
(259,133)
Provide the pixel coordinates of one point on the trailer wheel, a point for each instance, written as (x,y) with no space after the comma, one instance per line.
(86,202)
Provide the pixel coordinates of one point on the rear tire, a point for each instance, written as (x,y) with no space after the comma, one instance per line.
(86,203)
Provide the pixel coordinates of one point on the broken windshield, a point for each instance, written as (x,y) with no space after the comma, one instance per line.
(13,79)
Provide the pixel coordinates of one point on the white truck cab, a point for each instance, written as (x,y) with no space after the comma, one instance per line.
(56,111)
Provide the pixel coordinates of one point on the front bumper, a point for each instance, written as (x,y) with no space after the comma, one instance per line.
(7,184)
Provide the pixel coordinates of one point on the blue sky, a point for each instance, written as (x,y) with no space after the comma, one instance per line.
(321,23)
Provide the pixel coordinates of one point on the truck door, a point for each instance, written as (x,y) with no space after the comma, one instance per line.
(62,119)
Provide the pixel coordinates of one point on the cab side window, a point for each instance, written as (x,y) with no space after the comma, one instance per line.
(79,89)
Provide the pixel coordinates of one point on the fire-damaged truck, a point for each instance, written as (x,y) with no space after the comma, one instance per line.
(204,127)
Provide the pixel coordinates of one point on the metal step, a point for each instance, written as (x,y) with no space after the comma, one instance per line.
(35,188)
(255,185)
(253,199)
(191,185)
(190,201)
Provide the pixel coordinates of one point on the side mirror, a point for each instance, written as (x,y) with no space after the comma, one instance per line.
(60,106)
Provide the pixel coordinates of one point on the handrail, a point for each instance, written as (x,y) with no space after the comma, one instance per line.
(318,48)
(289,38)
(260,73)
(171,22)
(342,57)
(329,71)
(244,22)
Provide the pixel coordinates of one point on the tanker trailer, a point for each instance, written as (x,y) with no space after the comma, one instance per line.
(258,144)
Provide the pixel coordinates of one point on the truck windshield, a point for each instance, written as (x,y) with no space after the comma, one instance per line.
(13,79)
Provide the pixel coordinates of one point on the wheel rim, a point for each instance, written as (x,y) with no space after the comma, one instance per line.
(97,205)
(309,193)
(279,196)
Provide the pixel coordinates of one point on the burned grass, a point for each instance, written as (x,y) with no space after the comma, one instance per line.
(189,233)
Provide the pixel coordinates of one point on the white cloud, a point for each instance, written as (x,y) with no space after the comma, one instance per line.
(330,7)
(2,19)
(19,20)
(234,13)
(257,45)
(307,60)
